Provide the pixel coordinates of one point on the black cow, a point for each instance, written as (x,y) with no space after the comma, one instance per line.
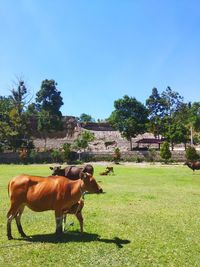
(194,165)
(72,172)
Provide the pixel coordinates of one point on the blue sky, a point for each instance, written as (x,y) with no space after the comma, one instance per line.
(99,50)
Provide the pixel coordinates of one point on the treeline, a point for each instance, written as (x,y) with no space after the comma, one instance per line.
(18,115)
(164,114)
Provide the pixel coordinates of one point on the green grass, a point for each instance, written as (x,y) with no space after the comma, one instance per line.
(149,216)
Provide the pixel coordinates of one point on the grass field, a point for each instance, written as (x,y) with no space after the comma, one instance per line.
(149,216)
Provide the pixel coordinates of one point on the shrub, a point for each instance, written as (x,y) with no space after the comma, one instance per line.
(67,152)
(191,153)
(117,155)
(57,156)
(151,155)
(33,157)
(165,152)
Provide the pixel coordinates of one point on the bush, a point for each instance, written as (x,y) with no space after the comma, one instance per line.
(191,153)
(67,152)
(165,153)
(33,157)
(151,157)
(117,155)
(57,156)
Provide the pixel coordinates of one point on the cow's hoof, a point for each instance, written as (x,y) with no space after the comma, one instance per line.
(10,237)
(24,236)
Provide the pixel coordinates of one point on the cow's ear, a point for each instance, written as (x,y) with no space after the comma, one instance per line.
(51,168)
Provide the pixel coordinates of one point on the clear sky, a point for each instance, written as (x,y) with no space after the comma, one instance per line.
(99,50)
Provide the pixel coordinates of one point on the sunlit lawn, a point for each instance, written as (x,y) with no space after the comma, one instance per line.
(149,216)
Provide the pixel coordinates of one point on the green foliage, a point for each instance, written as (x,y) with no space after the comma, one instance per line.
(165,152)
(82,142)
(191,153)
(117,155)
(172,101)
(177,133)
(85,118)
(68,155)
(151,155)
(48,103)
(19,95)
(155,105)
(34,156)
(195,116)
(129,117)
(57,156)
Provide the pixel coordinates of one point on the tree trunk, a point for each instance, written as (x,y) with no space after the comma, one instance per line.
(191,136)
(131,144)
(172,146)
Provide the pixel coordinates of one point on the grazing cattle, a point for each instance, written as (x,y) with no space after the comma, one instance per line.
(194,165)
(50,193)
(72,172)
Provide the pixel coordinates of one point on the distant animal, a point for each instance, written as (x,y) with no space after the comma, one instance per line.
(72,172)
(194,165)
(107,171)
(46,193)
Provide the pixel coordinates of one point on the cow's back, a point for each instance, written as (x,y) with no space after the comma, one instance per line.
(38,193)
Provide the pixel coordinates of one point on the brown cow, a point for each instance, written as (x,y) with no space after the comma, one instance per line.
(72,172)
(50,193)
(107,171)
(194,165)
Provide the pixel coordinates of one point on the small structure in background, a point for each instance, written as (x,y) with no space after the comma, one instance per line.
(149,141)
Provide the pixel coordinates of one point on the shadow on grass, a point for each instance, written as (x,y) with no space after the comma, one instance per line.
(74,236)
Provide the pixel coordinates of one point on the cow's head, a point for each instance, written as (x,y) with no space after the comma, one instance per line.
(55,170)
(88,168)
(90,183)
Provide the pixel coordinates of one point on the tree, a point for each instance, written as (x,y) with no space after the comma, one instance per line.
(172,101)
(191,153)
(19,95)
(194,121)
(86,118)
(129,117)
(155,105)
(165,152)
(5,127)
(173,128)
(82,142)
(14,130)
(177,133)
(48,104)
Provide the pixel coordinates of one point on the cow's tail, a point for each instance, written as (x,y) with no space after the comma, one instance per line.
(9,189)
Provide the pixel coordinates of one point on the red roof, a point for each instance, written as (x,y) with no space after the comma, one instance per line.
(149,141)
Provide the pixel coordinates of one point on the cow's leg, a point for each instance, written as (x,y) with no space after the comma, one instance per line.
(10,216)
(18,222)
(80,219)
(59,220)
(64,220)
